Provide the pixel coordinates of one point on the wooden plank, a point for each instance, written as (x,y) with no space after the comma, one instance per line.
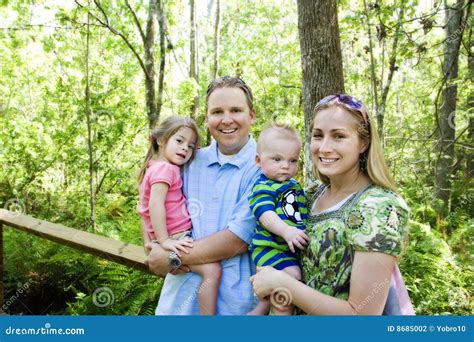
(101,246)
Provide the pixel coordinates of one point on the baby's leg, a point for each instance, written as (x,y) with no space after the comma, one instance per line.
(277,299)
(262,308)
(207,293)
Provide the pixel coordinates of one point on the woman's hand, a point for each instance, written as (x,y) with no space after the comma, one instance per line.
(266,280)
(177,245)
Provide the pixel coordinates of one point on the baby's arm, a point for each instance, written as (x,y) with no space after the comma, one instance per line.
(158,220)
(292,235)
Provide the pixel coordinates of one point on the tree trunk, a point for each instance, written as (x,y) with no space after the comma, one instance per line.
(193,65)
(373,74)
(392,68)
(87,99)
(149,47)
(321,59)
(470,104)
(161,74)
(215,68)
(381,103)
(447,127)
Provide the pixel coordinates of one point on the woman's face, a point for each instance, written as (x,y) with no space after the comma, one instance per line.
(335,144)
(229,119)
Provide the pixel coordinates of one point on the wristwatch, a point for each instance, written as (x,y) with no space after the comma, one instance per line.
(173,260)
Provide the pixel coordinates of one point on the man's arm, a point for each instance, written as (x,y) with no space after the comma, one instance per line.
(221,245)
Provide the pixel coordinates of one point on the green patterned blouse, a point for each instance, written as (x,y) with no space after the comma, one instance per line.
(373,219)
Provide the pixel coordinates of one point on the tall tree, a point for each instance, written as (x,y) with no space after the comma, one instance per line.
(193,58)
(162,23)
(215,66)
(446,121)
(321,58)
(87,100)
(470,100)
(380,102)
(148,38)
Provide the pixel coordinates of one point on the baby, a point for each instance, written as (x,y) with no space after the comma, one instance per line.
(279,205)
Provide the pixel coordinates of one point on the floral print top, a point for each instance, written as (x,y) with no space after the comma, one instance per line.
(373,219)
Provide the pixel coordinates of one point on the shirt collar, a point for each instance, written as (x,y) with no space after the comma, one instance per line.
(239,160)
(290,181)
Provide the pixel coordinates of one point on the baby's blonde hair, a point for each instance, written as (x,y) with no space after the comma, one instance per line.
(284,131)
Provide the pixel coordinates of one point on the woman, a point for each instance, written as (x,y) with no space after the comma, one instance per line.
(358,224)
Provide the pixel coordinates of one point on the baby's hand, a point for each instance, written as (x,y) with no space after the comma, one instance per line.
(177,245)
(295,237)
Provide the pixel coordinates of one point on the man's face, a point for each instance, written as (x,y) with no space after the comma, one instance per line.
(229,119)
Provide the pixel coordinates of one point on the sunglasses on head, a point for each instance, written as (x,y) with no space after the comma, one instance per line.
(347,100)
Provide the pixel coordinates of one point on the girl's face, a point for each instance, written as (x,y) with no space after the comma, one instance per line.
(335,144)
(179,147)
(229,119)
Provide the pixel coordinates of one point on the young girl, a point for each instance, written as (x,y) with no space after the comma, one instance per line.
(162,206)
(357,222)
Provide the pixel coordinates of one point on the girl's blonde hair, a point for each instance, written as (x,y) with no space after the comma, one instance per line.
(371,161)
(163,133)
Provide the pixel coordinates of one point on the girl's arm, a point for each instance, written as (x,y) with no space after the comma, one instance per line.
(158,220)
(369,285)
(157,210)
(293,236)
(145,237)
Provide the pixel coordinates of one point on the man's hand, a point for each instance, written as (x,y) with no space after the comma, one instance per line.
(295,237)
(157,261)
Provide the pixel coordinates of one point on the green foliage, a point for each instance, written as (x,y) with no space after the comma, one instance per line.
(117,291)
(435,280)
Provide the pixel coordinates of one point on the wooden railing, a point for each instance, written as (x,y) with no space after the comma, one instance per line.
(101,246)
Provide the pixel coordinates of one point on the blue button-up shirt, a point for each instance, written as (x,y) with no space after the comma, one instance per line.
(217,199)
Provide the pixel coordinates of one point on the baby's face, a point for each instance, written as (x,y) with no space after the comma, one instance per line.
(279,159)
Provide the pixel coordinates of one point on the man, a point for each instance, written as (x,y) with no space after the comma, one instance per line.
(216,185)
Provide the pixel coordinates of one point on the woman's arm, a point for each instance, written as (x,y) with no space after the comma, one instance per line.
(369,285)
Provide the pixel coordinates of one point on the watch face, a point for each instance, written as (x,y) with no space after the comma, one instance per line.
(175,262)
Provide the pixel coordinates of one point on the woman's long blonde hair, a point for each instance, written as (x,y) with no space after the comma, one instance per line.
(163,133)
(371,161)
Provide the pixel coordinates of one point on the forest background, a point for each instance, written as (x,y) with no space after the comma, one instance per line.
(82,82)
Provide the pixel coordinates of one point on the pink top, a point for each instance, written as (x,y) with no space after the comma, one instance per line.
(177,215)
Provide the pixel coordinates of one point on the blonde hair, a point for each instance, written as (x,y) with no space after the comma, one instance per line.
(230,82)
(282,130)
(163,133)
(372,161)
